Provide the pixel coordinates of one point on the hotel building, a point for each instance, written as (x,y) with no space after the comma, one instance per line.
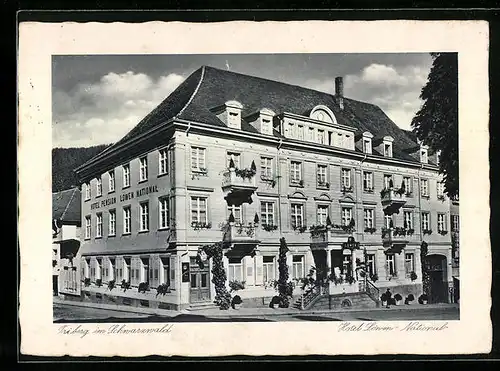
(245,160)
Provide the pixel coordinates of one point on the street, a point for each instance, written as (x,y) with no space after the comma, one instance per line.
(71,313)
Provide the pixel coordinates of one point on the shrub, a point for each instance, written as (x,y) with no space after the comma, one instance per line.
(162,289)
(275,300)
(236,300)
(410,297)
(391,301)
(398,297)
(111,285)
(125,285)
(236,285)
(98,282)
(422,298)
(143,287)
(86,282)
(413,276)
(383,297)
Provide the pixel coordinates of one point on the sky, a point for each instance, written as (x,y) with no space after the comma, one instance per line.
(97,99)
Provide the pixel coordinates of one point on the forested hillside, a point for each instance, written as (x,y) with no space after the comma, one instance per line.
(65,160)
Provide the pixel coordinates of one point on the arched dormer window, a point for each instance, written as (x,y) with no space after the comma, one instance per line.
(424,154)
(323,113)
(266,121)
(367,142)
(387,146)
(229,113)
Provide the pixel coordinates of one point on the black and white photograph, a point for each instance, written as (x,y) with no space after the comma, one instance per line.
(305,188)
(256,187)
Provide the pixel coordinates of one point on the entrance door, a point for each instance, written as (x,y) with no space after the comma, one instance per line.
(199,281)
(438,288)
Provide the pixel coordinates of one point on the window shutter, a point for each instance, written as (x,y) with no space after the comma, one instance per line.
(259,274)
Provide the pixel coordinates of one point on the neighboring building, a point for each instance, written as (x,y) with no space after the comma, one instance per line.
(455,242)
(66,222)
(168,187)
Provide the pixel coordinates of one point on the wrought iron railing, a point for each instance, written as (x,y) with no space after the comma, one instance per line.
(308,298)
(371,290)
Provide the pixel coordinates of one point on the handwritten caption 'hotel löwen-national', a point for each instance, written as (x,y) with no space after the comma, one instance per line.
(373,326)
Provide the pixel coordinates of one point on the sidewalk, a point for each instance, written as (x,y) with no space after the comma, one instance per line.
(247,312)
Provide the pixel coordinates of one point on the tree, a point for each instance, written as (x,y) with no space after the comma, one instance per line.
(436,123)
(285,288)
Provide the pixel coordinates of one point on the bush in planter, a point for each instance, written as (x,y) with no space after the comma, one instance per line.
(275,302)
(111,285)
(86,282)
(125,285)
(383,298)
(422,299)
(409,299)
(98,282)
(398,298)
(236,302)
(236,285)
(143,287)
(162,289)
(413,276)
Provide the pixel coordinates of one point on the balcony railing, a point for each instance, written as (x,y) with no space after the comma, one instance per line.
(239,233)
(395,235)
(392,199)
(330,234)
(231,181)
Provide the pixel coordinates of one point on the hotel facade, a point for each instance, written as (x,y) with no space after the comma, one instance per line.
(243,160)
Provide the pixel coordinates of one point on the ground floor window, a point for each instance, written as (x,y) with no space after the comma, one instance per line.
(409,264)
(235,270)
(268,264)
(391,265)
(370,264)
(127,271)
(346,265)
(165,271)
(69,278)
(298,266)
(98,269)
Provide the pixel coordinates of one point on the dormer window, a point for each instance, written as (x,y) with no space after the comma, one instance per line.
(234,120)
(230,113)
(423,154)
(387,146)
(323,113)
(262,121)
(367,142)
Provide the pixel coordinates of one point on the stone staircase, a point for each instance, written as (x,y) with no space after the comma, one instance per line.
(201,306)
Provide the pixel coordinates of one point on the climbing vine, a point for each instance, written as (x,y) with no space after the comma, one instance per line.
(222,296)
(425,273)
(285,288)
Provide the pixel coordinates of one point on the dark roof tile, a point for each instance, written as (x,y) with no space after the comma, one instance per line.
(66,205)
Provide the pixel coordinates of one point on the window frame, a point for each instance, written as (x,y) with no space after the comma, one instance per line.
(346,176)
(98,229)
(409,222)
(111,181)
(264,174)
(88,191)
(111,222)
(294,171)
(126,176)
(295,265)
(88,227)
(198,209)
(319,174)
(163,161)
(388,262)
(424,188)
(143,169)
(426,219)
(320,216)
(98,187)
(370,218)
(441,224)
(264,215)
(144,216)
(295,216)
(365,181)
(412,264)
(343,220)
(199,154)
(163,220)
(127,220)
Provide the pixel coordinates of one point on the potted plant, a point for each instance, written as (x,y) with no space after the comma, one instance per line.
(98,282)
(236,302)
(125,285)
(383,299)
(275,302)
(409,299)
(143,287)
(398,298)
(413,276)
(162,289)
(423,299)
(111,285)
(86,282)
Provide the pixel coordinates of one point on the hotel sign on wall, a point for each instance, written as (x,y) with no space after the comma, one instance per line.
(125,197)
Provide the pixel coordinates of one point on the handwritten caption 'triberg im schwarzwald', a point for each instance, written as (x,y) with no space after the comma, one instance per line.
(373,326)
(83,331)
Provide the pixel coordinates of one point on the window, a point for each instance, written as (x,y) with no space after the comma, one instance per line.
(127,272)
(98,268)
(266,167)
(440,190)
(235,270)
(368,217)
(165,271)
(367,146)
(321,136)
(391,265)
(407,183)
(290,130)
(455,223)
(126,176)
(112,223)
(370,264)
(388,150)
(87,227)
(367,181)
(99,187)
(98,231)
(266,126)
(198,159)
(236,211)
(409,264)
(126,219)
(424,187)
(425,221)
(408,219)
(267,213)
(300,132)
(321,175)
(87,191)
(441,222)
(295,172)
(199,210)
(298,266)
(423,156)
(346,178)
(236,159)
(297,215)
(387,221)
(111,177)
(310,134)
(346,215)
(164,216)
(388,181)
(145,275)
(163,162)
(268,263)
(144,216)
(143,169)
(322,214)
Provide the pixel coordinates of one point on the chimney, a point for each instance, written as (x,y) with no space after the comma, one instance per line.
(339,91)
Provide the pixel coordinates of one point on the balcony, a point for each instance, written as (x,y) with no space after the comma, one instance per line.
(240,235)
(392,200)
(238,185)
(323,236)
(395,236)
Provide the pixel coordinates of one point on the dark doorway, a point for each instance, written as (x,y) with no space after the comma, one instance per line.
(199,282)
(55,289)
(436,265)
